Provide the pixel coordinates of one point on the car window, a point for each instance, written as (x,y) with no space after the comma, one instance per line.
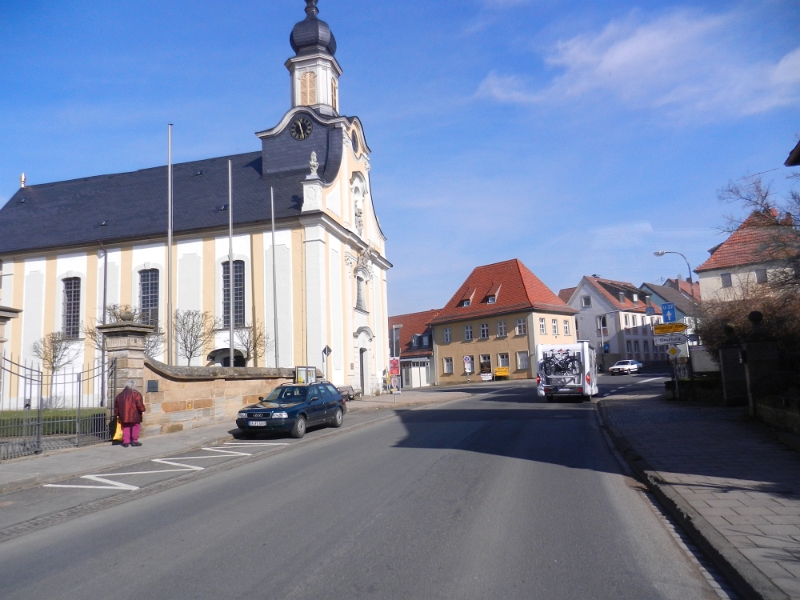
(323,392)
(292,393)
(332,389)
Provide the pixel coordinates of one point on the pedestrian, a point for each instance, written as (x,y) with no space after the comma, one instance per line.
(129,407)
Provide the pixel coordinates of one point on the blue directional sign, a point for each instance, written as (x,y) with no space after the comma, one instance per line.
(668,312)
(649,311)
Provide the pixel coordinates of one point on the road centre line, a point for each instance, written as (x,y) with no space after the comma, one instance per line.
(649,380)
(110,484)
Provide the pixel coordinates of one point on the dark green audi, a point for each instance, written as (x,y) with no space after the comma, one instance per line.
(292,408)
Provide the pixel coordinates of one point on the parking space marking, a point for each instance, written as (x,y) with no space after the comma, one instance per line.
(255,444)
(111,484)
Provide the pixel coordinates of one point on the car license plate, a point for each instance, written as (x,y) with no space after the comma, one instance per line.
(256,424)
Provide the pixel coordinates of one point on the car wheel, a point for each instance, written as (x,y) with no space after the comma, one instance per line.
(299,429)
(338,418)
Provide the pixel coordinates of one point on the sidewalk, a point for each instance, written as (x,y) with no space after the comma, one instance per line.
(64,464)
(728,480)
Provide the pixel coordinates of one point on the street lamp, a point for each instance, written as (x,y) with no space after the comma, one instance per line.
(602,341)
(663,252)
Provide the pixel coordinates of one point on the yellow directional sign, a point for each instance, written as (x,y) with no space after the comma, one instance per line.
(665,328)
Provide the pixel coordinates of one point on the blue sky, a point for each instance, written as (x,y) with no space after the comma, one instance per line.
(576,136)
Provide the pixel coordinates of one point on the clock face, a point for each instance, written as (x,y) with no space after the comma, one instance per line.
(354,140)
(301,128)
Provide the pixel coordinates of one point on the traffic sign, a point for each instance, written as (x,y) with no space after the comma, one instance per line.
(673,352)
(468,364)
(665,328)
(668,312)
(650,311)
(670,339)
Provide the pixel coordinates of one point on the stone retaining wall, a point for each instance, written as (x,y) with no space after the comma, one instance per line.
(190,397)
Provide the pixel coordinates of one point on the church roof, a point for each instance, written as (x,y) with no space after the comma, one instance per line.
(133,205)
(311,34)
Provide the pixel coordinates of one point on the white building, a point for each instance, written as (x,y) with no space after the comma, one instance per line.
(67,245)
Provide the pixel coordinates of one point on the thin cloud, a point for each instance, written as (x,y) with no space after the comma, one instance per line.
(683,62)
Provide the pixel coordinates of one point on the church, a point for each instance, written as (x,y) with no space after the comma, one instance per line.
(70,248)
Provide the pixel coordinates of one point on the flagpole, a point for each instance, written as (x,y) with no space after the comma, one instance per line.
(230,255)
(169,245)
(274,281)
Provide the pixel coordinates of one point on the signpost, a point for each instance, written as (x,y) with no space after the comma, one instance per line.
(668,312)
(665,328)
(670,339)
(468,365)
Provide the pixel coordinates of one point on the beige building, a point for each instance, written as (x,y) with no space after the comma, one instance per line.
(69,246)
(495,320)
(753,256)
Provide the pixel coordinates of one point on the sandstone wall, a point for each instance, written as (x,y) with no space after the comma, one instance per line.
(190,397)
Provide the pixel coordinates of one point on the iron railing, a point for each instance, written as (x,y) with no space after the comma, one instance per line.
(42,411)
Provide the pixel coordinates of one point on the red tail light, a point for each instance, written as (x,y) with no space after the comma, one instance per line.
(538,380)
(588,379)
(580,390)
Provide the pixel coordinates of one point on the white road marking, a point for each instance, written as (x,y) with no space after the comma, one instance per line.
(110,484)
(649,380)
(254,444)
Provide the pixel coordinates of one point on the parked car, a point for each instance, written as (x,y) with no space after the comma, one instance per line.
(625,366)
(292,408)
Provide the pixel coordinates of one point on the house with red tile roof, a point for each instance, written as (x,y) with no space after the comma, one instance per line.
(750,257)
(411,341)
(492,324)
(617,318)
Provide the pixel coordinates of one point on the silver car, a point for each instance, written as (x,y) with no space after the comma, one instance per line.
(625,366)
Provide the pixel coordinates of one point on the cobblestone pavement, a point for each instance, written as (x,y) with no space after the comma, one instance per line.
(740,486)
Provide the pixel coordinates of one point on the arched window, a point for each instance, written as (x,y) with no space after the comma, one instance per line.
(148,296)
(308,89)
(335,95)
(238,293)
(360,303)
(71,309)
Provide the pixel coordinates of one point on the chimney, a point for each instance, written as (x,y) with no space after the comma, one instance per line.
(679,278)
(22,180)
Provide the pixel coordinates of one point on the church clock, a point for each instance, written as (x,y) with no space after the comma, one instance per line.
(301,128)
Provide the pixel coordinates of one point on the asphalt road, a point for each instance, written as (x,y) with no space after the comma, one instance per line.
(499,496)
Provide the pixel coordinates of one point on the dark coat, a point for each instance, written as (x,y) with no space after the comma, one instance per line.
(129,406)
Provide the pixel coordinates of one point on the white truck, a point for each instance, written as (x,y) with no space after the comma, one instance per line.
(566,370)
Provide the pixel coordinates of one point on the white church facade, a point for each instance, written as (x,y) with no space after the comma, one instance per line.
(68,247)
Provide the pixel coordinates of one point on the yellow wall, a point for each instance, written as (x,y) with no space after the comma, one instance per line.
(511,344)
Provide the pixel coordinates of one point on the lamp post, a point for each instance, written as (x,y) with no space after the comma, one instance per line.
(602,342)
(663,252)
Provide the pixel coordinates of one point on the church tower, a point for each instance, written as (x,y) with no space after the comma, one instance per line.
(314,70)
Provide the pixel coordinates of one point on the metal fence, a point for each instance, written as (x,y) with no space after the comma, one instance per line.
(45,411)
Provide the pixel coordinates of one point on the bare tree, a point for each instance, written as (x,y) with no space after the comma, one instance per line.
(193,330)
(778,222)
(153,342)
(55,350)
(253,341)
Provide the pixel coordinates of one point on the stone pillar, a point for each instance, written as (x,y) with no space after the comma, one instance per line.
(6,314)
(125,345)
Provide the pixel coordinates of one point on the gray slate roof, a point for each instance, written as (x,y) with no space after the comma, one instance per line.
(683,303)
(134,205)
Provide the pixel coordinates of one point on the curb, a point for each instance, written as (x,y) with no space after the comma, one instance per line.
(748,581)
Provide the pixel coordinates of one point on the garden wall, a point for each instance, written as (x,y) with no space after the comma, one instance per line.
(190,397)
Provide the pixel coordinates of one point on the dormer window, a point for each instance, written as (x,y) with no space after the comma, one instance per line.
(622,297)
(414,339)
(491,299)
(465,303)
(636,299)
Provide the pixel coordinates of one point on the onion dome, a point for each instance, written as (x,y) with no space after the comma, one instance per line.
(312,35)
